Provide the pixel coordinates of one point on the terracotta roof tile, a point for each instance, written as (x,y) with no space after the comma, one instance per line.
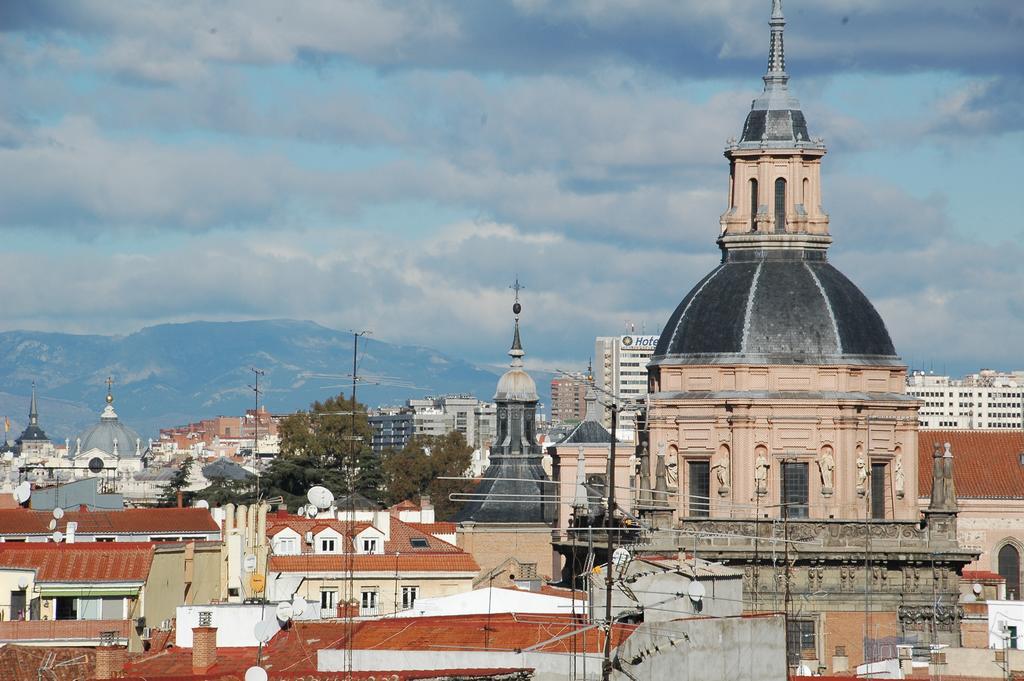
(87,562)
(982,576)
(403,533)
(507,631)
(986,464)
(128,521)
(23,663)
(434,528)
(290,655)
(414,562)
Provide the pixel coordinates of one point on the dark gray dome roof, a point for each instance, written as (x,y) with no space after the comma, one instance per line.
(781,307)
(102,435)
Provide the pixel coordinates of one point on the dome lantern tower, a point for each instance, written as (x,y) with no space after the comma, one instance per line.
(774,168)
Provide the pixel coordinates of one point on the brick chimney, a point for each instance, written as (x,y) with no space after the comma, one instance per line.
(204,644)
(110,661)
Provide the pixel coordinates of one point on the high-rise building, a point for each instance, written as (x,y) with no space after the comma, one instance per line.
(987,400)
(568,398)
(621,370)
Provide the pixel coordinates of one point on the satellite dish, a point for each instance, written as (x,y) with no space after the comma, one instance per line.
(53,523)
(284,611)
(302,511)
(620,557)
(266,629)
(298,606)
(22,492)
(320,496)
(312,511)
(255,674)
(58,512)
(23,582)
(57,536)
(202,503)
(977,589)
(696,591)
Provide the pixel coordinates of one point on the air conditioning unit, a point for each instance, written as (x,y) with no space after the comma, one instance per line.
(309,537)
(147,633)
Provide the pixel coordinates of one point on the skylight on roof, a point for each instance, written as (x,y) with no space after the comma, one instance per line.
(419,543)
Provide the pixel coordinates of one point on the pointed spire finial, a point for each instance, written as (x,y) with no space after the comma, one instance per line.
(110,393)
(33,412)
(516,353)
(776,74)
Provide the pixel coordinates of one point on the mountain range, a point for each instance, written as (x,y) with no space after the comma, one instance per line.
(172,374)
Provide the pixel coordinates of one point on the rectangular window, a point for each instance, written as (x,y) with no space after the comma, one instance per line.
(794,489)
(700,487)
(368,603)
(1011,634)
(328,599)
(370,545)
(409,594)
(878,488)
(106,539)
(800,637)
(327,545)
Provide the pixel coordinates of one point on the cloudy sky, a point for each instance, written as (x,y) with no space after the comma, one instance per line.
(394,165)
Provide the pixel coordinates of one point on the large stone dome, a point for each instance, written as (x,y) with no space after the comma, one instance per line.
(103,435)
(775,307)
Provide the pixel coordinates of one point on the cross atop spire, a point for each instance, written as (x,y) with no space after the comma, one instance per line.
(110,393)
(776,74)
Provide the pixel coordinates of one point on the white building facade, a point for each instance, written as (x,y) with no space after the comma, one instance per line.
(987,400)
(620,368)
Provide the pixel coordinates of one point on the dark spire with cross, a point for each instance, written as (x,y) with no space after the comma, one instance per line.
(517,347)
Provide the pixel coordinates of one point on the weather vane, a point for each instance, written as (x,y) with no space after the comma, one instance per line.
(517,287)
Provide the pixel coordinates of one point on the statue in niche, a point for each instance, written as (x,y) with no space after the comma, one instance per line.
(761,473)
(862,474)
(722,474)
(827,467)
(898,476)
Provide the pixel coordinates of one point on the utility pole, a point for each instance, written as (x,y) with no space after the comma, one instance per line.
(606,667)
(256,427)
(350,510)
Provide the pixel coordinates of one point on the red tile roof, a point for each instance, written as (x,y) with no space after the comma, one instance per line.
(982,576)
(129,521)
(456,561)
(507,631)
(290,655)
(434,528)
(402,533)
(87,562)
(24,663)
(986,464)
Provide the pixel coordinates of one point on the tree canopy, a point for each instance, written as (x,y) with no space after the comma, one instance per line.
(328,445)
(416,469)
(178,483)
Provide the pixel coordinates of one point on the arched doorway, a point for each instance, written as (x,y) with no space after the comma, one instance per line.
(1009,569)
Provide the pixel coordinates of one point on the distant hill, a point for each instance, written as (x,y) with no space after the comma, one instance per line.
(176,373)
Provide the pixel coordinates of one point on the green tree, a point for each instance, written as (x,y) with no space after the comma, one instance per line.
(327,445)
(221,491)
(416,469)
(178,483)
